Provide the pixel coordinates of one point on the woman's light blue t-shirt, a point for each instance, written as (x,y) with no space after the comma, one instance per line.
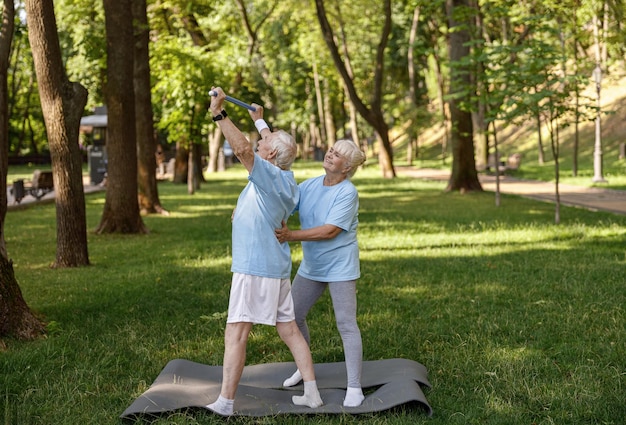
(336,259)
(269,198)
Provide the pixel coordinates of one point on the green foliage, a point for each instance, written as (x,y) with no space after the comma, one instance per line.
(26,128)
(82,36)
(525,54)
(518,321)
(183,76)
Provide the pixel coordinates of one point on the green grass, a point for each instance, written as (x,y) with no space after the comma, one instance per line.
(518,320)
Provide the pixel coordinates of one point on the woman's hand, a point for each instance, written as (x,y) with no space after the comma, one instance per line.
(283,234)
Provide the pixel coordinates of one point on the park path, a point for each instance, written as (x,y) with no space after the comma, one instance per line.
(591,198)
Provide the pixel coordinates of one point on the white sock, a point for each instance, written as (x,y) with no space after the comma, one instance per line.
(222,406)
(354,397)
(311,396)
(293,379)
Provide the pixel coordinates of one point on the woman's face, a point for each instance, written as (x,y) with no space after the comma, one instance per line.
(334,162)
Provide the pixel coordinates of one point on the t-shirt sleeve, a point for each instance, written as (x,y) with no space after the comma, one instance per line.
(344,209)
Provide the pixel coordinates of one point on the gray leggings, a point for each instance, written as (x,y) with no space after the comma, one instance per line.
(305,294)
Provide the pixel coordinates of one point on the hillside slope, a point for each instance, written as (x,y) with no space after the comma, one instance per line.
(523,138)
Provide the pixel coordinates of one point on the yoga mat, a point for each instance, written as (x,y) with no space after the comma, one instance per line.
(184,384)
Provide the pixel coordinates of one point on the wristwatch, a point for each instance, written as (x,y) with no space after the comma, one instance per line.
(220,116)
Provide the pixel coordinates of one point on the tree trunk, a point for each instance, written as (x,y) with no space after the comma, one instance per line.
(413,133)
(331,130)
(181,163)
(194,166)
(215,138)
(464,176)
(149,202)
(16,318)
(121,207)
(374,114)
(320,102)
(62,103)
(445,141)
(540,152)
(6,39)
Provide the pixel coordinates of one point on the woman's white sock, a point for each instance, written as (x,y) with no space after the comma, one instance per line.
(354,397)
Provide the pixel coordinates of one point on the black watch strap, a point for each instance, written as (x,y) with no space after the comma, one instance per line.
(220,116)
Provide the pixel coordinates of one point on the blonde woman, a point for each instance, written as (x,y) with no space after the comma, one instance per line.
(328,210)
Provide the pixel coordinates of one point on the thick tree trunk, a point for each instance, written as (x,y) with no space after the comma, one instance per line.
(6,39)
(464,176)
(16,318)
(149,202)
(121,208)
(62,103)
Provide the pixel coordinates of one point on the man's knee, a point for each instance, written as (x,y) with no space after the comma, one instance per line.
(286,330)
(237,332)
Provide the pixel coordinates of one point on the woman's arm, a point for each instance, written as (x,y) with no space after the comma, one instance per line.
(319,233)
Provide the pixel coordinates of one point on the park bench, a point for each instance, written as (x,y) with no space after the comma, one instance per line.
(512,163)
(40,184)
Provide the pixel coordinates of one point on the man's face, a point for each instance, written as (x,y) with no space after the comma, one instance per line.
(264,147)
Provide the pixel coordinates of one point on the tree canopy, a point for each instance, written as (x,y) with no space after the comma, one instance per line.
(277,53)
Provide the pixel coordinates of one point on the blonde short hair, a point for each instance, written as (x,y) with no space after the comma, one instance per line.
(351,151)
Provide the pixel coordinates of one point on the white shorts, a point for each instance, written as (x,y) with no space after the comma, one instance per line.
(262,300)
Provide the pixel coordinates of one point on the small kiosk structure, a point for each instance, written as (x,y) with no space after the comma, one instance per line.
(96,125)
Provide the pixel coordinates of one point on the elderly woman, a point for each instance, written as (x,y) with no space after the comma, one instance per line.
(328,210)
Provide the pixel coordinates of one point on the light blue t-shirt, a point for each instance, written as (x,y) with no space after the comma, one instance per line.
(269,197)
(336,259)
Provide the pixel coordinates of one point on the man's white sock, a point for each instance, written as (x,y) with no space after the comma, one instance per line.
(222,406)
(311,396)
(293,379)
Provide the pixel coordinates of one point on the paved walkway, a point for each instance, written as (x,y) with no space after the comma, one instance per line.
(48,197)
(592,198)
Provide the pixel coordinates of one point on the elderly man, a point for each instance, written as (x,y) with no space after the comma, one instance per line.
(261,288)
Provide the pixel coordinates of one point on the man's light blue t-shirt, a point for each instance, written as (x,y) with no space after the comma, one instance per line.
(336,259)
(269,198)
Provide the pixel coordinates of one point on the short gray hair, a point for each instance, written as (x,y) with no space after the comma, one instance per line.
(351,151)
(286,149)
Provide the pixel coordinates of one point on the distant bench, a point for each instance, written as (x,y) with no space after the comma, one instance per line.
(513,162)
(40,184)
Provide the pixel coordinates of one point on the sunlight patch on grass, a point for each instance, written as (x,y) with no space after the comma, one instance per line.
(204,262)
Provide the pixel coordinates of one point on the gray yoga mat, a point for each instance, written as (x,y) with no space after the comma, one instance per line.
(183,384)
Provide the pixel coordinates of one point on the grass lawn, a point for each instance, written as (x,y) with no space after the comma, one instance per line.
(518,320)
